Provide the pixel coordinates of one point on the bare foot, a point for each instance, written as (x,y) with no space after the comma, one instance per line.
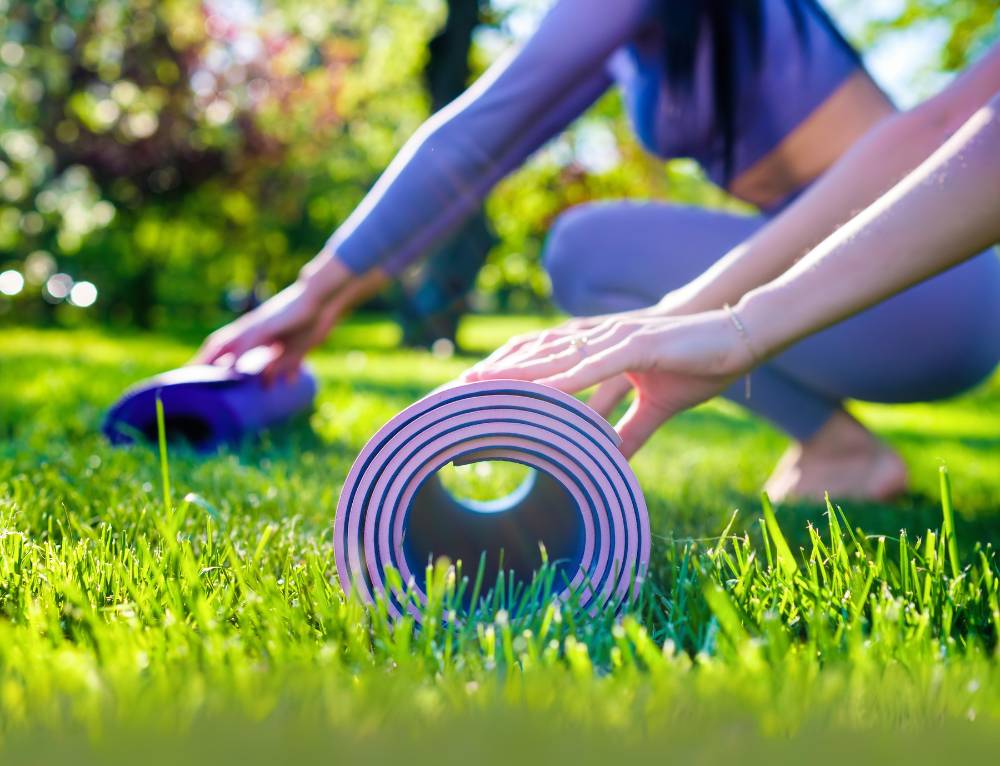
(842,458)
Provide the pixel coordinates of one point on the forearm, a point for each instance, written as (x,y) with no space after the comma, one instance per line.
(888,152)
(944,212)
(443,173)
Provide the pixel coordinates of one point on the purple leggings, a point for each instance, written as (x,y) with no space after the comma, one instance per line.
(932,341)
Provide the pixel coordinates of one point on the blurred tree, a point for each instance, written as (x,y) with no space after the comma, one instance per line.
(971,26)
(169,150)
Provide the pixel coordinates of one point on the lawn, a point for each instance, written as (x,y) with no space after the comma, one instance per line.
(216,629)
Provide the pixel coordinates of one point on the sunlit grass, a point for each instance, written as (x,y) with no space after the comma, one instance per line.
(125,623)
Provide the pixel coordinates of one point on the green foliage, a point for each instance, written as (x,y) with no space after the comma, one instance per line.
(220,616)
(971,24)
(169,150)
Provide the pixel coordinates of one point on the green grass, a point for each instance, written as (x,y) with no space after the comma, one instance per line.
(209,624)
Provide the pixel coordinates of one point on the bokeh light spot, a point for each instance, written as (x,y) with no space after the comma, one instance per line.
(11,282)
(58,286)
(83,294)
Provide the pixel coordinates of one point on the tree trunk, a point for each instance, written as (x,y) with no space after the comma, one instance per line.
(437,297)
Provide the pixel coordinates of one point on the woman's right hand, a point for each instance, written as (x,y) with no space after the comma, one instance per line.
(609,393)
(673,362)
(293,321)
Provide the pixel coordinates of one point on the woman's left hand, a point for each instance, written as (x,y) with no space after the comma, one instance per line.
(672,362)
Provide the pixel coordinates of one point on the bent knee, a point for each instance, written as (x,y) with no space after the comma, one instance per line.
(573,260)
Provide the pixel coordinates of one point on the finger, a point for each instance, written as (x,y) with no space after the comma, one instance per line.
(215,346)
(467,376)
(554,344)
(562,347)
(239,346)
(499,358)
(528,352)
(532,369)
(609,394)
(535,341)
(230,349)
(558,362)
(638,424)
(286,365)
(288,361)
(593,370)
(473,373)
(296,346)
(517,345)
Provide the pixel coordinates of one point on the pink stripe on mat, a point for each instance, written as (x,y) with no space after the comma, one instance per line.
(587,495)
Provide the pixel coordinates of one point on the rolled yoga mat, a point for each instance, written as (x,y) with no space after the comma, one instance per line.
(582,501)
(208,405)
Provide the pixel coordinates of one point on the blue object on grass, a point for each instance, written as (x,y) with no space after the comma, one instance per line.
(209,406)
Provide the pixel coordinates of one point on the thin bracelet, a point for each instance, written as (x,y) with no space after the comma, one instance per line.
(742,330)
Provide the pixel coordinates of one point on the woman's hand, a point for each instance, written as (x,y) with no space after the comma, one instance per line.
(295,320)
(527,346)
(673,362)
(610,392)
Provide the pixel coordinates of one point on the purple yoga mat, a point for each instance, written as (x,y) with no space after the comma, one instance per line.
(582,501)
(208,405)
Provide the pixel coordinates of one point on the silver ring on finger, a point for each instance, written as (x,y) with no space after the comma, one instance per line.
(580,344)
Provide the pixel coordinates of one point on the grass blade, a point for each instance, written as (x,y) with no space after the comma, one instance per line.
(786,559)
(951,541)
(161,434)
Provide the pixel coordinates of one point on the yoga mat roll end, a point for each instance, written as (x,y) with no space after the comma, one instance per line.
(582,503)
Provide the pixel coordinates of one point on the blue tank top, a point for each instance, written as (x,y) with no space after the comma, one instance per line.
(803,59)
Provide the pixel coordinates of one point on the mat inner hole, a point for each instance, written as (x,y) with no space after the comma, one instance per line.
(487,484)
(536,511)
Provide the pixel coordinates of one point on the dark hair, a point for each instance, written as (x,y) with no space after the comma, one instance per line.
(736,33)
